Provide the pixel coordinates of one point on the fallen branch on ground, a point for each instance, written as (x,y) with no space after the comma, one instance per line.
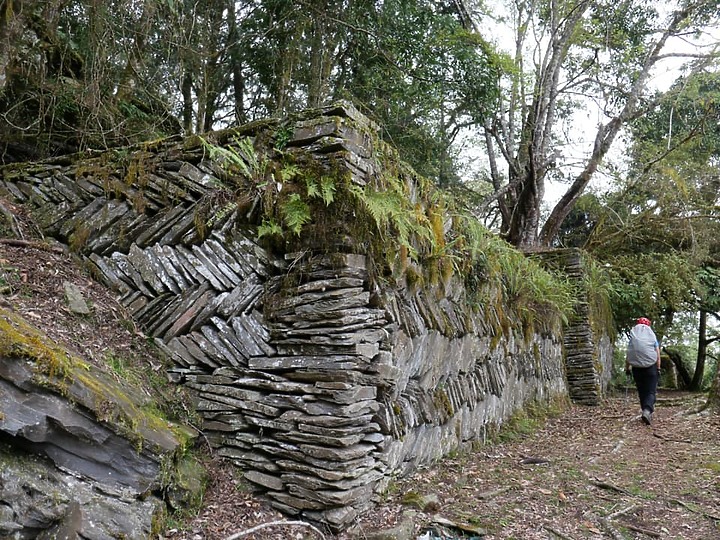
(31,244)
(668,439)
(646,532)
(695,510)
(606,485)
(275,524)
(624,511)
(557,533)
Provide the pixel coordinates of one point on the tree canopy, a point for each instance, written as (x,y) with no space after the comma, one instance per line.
(76,75)
(570,55)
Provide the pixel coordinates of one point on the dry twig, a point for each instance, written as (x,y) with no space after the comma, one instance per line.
(695,510)
(606,485)
(622,512)
(668,439)
(31,244)
(646,532)
(275,524)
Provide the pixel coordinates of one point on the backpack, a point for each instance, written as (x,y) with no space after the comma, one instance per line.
(641,349)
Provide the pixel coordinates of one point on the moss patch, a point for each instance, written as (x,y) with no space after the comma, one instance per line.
(121,407)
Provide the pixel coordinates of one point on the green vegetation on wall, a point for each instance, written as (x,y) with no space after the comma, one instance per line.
(415,233)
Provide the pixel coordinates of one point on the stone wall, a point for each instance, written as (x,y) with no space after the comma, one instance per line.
(588,339)
(318,379)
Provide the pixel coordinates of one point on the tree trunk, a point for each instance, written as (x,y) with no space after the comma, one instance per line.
(697,379)
(12,25)
(521,228)
(128,82)
(529,159)
(677,360)
(187,106)
(317,51)
(606,133)
(236,65)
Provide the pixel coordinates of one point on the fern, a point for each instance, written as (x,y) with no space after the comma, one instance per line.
(313,190)
(269,227)
(327,190)
(243,160)
(296,213)
(289,172)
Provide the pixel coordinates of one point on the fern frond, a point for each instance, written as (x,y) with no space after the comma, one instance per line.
(296,213)
(327,189)
(289,172)
(312,188)
(269,227)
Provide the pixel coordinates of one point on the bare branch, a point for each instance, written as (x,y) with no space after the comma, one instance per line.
(246,532)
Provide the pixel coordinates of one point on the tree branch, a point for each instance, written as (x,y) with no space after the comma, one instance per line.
(275,524)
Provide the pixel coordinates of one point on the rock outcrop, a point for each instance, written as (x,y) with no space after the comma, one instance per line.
(111,457)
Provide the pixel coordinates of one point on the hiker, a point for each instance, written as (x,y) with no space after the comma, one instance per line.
(643,356)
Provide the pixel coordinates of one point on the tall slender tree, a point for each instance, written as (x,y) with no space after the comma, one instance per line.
(599,50)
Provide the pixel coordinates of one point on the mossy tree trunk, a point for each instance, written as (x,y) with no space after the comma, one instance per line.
(713,401)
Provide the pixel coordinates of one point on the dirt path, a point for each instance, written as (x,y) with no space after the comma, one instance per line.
(602,474)
(588,473)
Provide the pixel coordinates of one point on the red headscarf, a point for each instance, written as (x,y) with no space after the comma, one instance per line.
(643,320)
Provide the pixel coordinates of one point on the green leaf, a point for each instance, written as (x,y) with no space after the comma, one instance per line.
(296,213)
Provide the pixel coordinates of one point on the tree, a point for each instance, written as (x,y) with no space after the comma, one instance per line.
(569,53)
(83,75)
(658,231)
(678,143)
(420,75)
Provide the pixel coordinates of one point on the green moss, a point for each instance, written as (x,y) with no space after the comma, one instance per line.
(528,419)
(442,402)
(71,377)
(413,499)
(19,340)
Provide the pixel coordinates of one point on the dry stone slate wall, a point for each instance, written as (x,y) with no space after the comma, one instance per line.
(587,340)
(317,381)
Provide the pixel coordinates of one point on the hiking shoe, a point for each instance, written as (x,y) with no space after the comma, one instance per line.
(646,417)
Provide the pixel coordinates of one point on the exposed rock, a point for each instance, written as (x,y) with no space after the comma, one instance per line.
(76,302)
(112,454)
(39,501)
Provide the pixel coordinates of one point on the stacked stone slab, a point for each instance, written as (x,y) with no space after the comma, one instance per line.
(588,346)
(321,384)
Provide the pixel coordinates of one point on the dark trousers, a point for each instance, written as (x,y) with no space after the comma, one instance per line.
(646,380)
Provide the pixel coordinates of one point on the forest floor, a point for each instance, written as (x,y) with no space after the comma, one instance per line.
(582,473)
(585,473)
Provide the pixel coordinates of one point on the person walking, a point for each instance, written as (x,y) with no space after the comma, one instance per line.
(643,357)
